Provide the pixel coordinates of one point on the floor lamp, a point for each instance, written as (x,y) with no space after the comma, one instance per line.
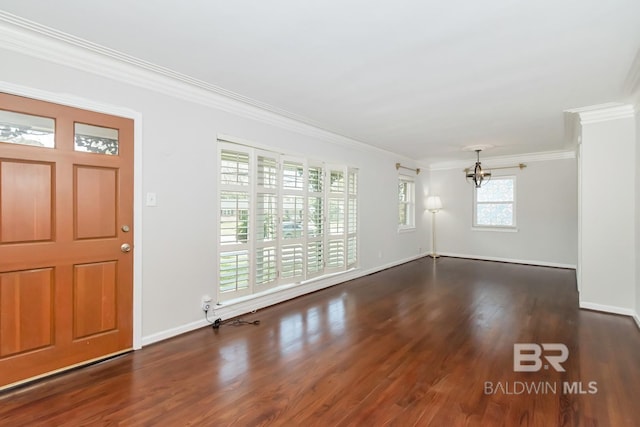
(434,204)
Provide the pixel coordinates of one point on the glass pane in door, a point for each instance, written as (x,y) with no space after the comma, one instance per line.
(26,129)
(96,139)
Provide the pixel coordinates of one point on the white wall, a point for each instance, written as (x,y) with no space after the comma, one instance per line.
(608,201)
(179,156)
(546,215)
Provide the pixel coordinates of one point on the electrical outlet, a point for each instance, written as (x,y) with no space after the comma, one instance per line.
(206,303)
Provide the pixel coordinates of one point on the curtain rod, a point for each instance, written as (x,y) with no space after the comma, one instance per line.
(519,166)
(398,166)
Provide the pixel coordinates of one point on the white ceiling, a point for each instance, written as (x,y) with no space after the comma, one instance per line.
(420,78)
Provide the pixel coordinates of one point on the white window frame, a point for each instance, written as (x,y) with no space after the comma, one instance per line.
(347,235)
(410,203)
(481,227)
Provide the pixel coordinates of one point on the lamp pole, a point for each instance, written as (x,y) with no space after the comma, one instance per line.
(433,254)
(434,204)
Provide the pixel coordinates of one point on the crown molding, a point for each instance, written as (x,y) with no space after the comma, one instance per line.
(572,129)
(501,161)
(632,81)
(603,112)
(36,40)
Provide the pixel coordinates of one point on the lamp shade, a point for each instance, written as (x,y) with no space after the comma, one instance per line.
(434,204)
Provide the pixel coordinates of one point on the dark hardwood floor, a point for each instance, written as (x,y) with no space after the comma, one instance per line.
(425,343)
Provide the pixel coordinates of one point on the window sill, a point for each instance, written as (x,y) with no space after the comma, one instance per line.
(498,229)
(406,229)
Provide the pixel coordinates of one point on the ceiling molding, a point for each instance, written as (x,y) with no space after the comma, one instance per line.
(32,39)
(501,161)
(632,82)
(603,112)
(572,129)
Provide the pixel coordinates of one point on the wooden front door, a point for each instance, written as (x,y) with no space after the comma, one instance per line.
(66,218)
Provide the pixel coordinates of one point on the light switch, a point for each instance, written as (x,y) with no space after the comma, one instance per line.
(151,199)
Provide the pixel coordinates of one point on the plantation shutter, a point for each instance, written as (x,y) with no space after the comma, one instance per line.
(292,219)
(336,219)
(315,257)
(282,220)
(234,260)
(267,220)
(352,218)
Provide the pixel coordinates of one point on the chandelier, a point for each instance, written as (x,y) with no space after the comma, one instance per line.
(478,176)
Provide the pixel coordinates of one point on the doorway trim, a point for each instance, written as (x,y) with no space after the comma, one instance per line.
(78,102)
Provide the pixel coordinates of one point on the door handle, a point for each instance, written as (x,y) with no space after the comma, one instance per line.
(125,247)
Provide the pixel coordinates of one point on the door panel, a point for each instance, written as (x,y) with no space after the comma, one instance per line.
(26,190)
(66,288)
(95,299)
(26,299)
(95,202)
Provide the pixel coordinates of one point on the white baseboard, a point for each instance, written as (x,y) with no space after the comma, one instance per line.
(611,309)
(244,306)
(511,260)
(608,309)
(170,333)
(637,319)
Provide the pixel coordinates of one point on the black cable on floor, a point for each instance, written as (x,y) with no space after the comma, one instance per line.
(232,322)
(240,322)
